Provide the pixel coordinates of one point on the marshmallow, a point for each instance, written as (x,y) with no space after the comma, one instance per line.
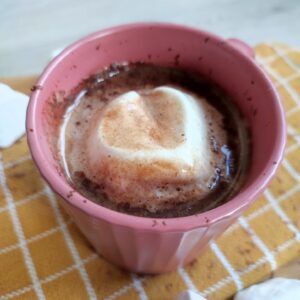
(275,289)
(189,295)
(145,147)
(12,115)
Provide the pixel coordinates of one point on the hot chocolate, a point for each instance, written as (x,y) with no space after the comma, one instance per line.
(154,141)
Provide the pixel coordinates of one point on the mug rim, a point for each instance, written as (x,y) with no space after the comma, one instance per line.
(186,223)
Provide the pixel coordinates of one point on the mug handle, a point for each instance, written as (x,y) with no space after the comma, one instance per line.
(242,47)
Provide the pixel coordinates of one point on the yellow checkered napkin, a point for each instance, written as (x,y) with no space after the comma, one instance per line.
(43,255)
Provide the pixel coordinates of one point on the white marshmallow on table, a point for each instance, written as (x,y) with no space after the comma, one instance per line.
(273,289)
(189,295)
(12,115)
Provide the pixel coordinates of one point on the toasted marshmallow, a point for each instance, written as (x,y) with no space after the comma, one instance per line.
(145,147)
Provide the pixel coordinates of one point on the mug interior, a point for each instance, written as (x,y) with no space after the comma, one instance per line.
(166,45)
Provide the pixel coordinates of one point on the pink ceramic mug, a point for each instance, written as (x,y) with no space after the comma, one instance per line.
(146,244)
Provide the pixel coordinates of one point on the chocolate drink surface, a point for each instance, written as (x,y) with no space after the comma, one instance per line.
(154,141)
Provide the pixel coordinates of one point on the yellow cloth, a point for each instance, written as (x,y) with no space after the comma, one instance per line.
(42,253)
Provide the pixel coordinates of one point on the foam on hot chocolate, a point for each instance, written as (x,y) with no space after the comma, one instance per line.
(144,147)
(153,141)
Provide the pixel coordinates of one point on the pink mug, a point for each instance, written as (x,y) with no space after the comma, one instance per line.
(152,245)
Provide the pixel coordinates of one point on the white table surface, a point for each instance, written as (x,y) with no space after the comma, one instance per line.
(31,30)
